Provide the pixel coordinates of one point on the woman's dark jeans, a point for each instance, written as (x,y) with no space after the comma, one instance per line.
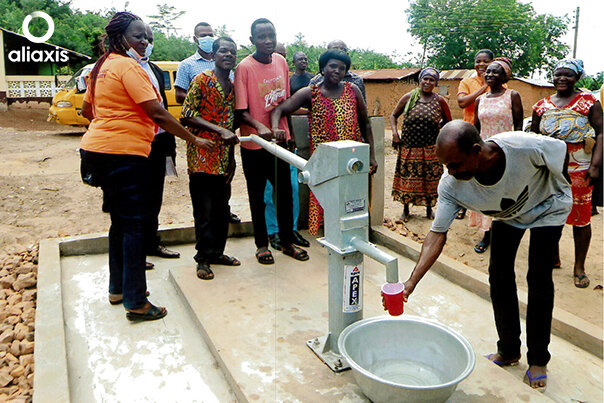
(124,180)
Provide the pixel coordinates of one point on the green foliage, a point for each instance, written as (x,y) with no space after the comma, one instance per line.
(82,32)
(592,83)
(171,48)
(453,30)
(361,58)
(164,20)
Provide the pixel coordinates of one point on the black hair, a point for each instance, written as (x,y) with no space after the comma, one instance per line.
(114,35)
(334,54)
(201,24)
(297,53)
(260,21)
(216,44)
(467,137)
(488,52)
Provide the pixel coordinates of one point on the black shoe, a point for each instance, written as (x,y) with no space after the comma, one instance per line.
(275,241)
(162,251)
(233,219)
(300,241)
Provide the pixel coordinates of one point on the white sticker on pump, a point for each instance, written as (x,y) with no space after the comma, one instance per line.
(353,288)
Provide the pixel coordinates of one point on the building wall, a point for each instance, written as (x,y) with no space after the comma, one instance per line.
(382,97)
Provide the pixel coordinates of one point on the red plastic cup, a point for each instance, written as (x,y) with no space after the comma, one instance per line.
(393,298)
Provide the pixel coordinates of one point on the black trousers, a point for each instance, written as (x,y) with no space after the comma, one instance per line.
(162,146)
(505,240)
(258,167)
(211,214)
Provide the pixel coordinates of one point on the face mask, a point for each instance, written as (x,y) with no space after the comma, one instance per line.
(205,43)
(148,50)
(134,54)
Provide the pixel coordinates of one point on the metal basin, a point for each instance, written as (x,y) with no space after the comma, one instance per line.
(406,359)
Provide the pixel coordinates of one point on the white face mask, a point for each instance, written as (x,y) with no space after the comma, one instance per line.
(148,50)
(134,54)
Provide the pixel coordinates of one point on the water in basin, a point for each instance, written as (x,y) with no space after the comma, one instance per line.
(407,372)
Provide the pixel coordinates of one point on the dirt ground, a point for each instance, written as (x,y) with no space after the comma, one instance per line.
(42,196)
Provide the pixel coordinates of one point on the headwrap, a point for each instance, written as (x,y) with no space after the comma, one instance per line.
(430,71)
(415,94)
(575,65)
(506,64)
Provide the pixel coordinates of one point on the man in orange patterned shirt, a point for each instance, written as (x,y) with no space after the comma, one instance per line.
(208,111)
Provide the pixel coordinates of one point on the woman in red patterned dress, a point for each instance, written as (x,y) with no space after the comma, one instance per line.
(337,112)
(576,118)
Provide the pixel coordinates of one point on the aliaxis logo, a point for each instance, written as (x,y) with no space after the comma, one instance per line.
(25,54)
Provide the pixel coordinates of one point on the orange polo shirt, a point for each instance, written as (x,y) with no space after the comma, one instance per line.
(120,126)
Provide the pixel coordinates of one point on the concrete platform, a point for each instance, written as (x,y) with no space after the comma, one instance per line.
(255,319)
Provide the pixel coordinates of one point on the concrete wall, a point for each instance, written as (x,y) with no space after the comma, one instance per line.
(382,97)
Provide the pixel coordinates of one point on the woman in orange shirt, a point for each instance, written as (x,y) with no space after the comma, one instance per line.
(123,108)
(471,88)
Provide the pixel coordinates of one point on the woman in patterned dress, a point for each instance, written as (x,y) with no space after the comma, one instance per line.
(337,112)
(576,118)
(417,168)
(498,110)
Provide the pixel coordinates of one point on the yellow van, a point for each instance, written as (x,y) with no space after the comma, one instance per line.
(66,105)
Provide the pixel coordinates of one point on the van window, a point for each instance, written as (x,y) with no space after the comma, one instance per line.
(167,82)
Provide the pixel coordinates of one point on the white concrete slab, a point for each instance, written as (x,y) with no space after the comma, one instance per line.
(258,318)
(112,360)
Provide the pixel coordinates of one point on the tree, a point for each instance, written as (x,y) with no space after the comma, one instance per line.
(592,83)
(451,31)
(165,18)
(361,58)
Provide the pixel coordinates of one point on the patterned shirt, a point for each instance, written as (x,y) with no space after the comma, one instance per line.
(570,122)
(349,77)
(207,99)
(190,67)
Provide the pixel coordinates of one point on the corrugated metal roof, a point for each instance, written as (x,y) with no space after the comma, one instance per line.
(455,74)
(532,81)
(466,73)
(386,74)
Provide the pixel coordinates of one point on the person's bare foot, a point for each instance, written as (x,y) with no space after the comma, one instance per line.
(536,377)
(498,359)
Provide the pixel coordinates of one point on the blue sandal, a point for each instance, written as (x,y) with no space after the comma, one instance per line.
(531,380)
(502,363)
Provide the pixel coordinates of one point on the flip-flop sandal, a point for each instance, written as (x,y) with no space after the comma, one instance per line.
(265,257)
(537,378)
(481,247)
(204,272)
(153,313)
(297,253)
(579,283)
(502,363)
(226,261)
(116,299)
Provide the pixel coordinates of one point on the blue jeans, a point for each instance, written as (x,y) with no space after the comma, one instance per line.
(272,227)
(124,180)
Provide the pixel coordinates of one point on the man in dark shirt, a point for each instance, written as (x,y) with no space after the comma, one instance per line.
(301,78)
